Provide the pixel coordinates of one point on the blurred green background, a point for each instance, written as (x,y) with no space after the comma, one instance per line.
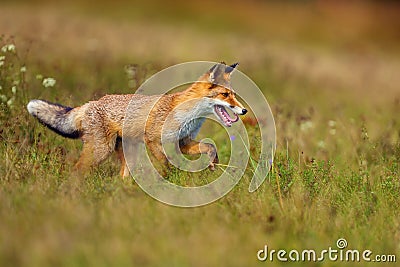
(318,59)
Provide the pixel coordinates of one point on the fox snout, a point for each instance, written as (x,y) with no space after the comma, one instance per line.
(239,110)
(234,105)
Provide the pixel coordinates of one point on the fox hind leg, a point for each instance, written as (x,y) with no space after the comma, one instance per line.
(95,151)
(124,171)
(86,158)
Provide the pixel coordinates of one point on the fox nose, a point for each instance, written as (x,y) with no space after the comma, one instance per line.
(244,111)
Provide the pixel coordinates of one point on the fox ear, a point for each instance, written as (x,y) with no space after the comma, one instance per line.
(215,72)
(230,68)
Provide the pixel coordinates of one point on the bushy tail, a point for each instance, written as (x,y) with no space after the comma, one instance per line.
(60,119)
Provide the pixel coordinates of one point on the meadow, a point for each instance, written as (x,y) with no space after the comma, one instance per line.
(330,72)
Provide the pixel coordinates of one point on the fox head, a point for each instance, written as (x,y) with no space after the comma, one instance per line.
(215,88)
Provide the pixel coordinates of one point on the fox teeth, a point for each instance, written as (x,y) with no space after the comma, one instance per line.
(224,115)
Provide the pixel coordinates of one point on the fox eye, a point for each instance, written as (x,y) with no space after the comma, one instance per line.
(225,94)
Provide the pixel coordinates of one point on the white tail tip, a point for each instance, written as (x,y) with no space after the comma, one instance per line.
(32,106)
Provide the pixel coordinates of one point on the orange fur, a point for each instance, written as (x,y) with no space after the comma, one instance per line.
(100,124)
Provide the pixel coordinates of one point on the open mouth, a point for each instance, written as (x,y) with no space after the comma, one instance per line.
(224,116)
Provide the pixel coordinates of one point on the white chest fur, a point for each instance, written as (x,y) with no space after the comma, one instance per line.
(190,117)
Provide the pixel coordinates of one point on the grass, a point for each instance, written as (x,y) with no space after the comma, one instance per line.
(335,103)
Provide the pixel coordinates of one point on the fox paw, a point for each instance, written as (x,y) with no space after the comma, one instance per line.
(212,164)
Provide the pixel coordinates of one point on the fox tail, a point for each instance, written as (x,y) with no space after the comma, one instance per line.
(60,119)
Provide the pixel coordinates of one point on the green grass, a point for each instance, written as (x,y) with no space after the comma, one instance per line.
(336,168)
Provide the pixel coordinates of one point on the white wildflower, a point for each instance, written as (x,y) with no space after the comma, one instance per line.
(14,90)
(321,144)
(304,126)
(130,71)
(3,98)
(10,102)
(1,63)
(332,123)
(11,48)
(49,82)
(2,58)
(23,69)
(8,48)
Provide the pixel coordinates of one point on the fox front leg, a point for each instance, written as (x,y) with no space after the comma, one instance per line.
(215,158)
(191,147)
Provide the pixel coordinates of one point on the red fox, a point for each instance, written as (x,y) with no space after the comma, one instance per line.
(99,124)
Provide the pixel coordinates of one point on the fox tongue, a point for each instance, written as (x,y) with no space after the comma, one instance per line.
(224,115)
(229,116)
(235,119)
